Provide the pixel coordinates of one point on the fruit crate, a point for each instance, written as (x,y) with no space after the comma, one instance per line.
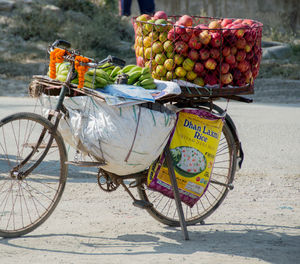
(212,56)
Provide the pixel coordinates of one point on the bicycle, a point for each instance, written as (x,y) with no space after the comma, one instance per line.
(34,164)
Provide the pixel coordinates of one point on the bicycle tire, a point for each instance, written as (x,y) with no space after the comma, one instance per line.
(27,203)
(164,209)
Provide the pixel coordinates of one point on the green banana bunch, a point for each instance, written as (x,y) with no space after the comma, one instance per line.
(145,79)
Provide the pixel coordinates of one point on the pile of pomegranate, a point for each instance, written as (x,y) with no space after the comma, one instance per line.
(204,51)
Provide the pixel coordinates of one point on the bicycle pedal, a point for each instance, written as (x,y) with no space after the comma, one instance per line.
(142,204)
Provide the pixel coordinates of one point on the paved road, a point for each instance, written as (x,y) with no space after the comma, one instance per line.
(257,223)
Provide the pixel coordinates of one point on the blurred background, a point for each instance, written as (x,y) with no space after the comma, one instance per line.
(95,28)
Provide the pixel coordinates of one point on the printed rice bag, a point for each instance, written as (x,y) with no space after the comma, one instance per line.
(193,147)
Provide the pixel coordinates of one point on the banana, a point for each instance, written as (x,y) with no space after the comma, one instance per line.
(89,84)
(61,78)
(133,77)
(145,70)
(128,67)
(75,81)
(150,86)
(64,72)
(88,78)
(103,74)
(147,81)
(145,76)
(134,69)
(115,72)
(101,81)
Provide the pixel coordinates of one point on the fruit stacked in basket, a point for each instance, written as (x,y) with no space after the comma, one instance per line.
(204,51)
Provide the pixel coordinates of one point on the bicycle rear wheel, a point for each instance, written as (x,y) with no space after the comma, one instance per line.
(164,208)
(26,203)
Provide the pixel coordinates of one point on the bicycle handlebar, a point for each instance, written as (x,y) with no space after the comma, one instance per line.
(73,53)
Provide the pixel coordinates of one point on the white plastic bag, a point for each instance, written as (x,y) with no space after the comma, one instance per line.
(128,138)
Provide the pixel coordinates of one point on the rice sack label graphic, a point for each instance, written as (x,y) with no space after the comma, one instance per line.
(193,148)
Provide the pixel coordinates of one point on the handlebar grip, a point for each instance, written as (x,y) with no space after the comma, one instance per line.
(61,42)
(117,61)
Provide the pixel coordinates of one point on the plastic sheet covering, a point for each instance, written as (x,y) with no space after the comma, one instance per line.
(128,138)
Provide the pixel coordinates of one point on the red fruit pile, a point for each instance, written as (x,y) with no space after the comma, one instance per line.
(204,51)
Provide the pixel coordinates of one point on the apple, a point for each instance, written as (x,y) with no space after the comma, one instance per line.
(157,47)
(215,53)
(190,31)
(180,72)
(204,54)
(163,36)
(188,64)
(225,67)
(186,21)
(191,75)
(170,55)
(161,25)
(214,25)
(240,81)
(243,66)
(230,59)
(241,43)
(181,47)
(185,37)
(193,55)
(140,51)
(140,61)
(143,17)
(230,39)
(248,76)
(169,64)
(178,59)
(233,50)
(148,53)
(147,42)
(215,39)
(149,25)
(226,78)
(169,75)
(226,51)
(172,35)
(249,55)
(211,79)
(249,36)
(199,81)
(210,64)
(225,22)
(248,22)
(168,46)
(154,35)
(160,15)
(204,37)
(179,30)
(237,21)
(241,55)
(161,70)
(160,58)
(240,30)
(198,68)
(194,43)
(248,48)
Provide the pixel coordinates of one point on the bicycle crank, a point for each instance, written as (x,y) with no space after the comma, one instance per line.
(105,182)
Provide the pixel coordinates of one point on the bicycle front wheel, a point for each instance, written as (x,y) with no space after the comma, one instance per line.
(26,202)
(164,208)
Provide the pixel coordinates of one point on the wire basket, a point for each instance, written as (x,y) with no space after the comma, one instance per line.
(218,56)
